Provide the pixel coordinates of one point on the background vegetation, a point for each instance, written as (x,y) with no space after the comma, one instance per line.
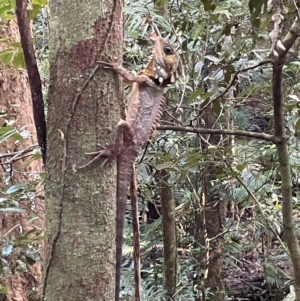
(228,54)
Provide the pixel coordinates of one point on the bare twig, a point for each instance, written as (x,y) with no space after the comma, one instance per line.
(33,75)
(297,10)
(232,82)
(136,236)
(14,159)
(18,153)
(261,136)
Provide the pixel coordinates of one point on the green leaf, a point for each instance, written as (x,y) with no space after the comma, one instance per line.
(209,5)
(3,200)
(30,260)
(163,157)
(207,96)
(17,137)
(6,56)
(16,188)
(207,99)
(126,249)
(217,107)
(16,45)
(295,63)
(213,148)
(224,12)
(198,31)
(229,70)
(297,127)
(12,210)
(256,23)
(240,167)
(7,250)
(7,132)
(4,40)
(4,10)
(195,94)
(28,233)
(186,5)
(34,157)
(3,290)
(6,129)
(212,58)
(19,61)
(12,4)
(32,220)
(227,29)
(255,7)
(39,2)
(193,160)
(34,11)
(174,177)
(163,166)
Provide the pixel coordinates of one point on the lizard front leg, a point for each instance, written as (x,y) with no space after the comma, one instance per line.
(110,153)
(130,78)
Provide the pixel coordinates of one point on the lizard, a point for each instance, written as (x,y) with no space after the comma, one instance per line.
(143,112)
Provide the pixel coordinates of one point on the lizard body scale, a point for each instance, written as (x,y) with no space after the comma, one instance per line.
(143,112)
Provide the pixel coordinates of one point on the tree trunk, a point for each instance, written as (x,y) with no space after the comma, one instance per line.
(15,102)
(209,218)
(169,236)
(136,236)
(168,206)
(83,113)
(290,230)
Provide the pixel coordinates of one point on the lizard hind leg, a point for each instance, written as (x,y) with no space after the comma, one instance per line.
(110,153)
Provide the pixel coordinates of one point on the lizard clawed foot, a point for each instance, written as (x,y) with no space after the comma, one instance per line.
(109,63)
(102,153)
(103,149)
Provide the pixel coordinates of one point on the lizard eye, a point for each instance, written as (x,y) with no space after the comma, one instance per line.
(168,50)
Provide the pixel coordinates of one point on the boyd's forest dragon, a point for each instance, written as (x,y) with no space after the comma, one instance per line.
(143,112)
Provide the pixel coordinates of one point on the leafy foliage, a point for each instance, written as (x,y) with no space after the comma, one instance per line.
(20,241)
(217,40)
(19,248)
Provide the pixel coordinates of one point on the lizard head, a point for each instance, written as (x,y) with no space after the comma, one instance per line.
(165,66)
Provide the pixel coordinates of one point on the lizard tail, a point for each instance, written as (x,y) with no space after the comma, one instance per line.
(123,179)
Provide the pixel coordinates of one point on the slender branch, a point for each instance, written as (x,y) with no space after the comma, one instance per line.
(297,10)
(261,136)
(13,160)
(20,152)
(136,236)
(290,38)
(232,82)
(33,75)
(290,231)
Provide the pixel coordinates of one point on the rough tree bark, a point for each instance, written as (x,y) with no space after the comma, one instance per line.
(169,236)
(83,113)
